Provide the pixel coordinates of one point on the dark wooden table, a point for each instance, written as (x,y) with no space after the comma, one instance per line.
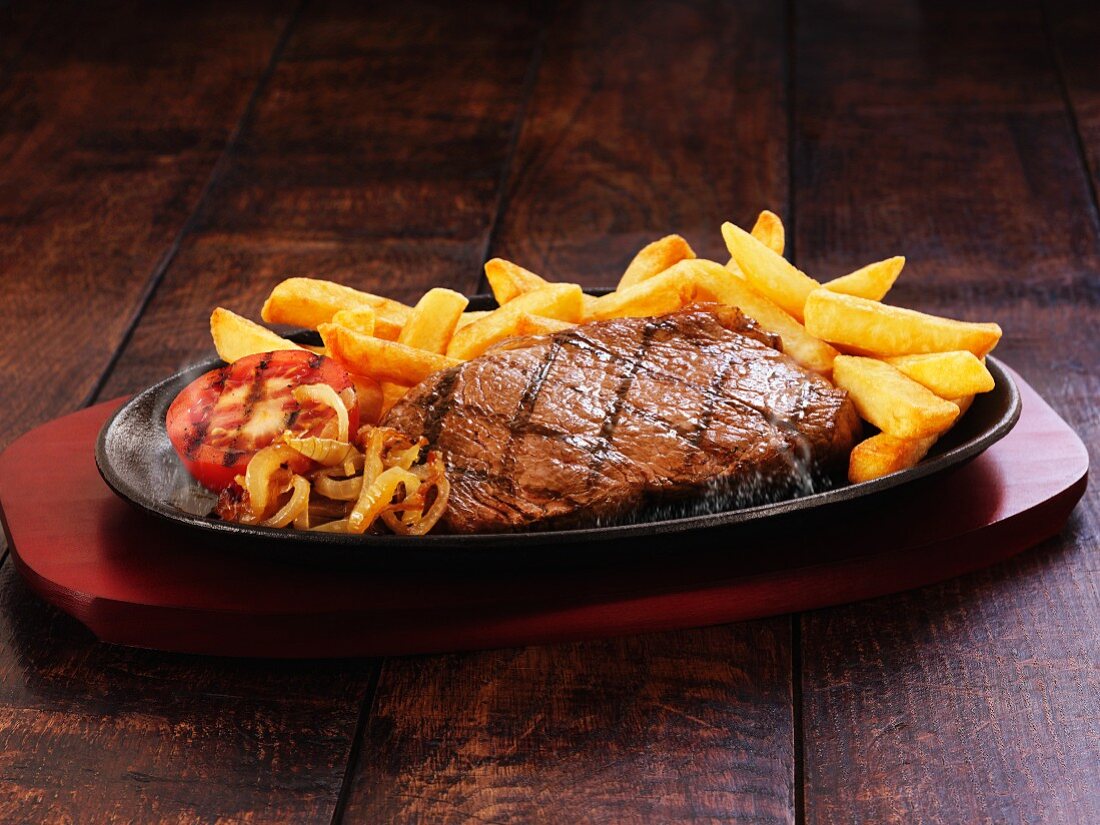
(156,160)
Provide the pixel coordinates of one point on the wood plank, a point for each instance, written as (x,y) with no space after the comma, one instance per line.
(940,133)
(1075,30)
(372,121)
(113,119)
(375,161)
(669,118)
(93,733)
(692,725)
(628,135)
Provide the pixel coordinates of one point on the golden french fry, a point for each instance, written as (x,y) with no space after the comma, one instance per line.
(363,320)
(947,374)
(808,351)
(894,403)
(655,258)
(768,229)
(699,280)
(679,285)
(883,454)
(380,359)
(235,337)
(588,304)
(391,394)
(563,302)
(508,280)
(433,320)
(872,281)
(308,302)
(886,330)
(471,316)
(370,397)
(538,325)
(768,273)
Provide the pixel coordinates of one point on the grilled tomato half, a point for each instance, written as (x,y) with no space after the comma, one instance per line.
(226,416)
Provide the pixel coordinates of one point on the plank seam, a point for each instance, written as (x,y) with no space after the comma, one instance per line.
(503,200)
(798,720)
(792,154)
(1071,114)
(798,744)
(216,173)
(366,711)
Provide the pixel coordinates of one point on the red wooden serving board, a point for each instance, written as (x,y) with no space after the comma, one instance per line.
(135,580)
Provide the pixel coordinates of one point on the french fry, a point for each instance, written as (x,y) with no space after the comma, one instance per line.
(883,454)
(391,394)
(470,316)
(872,281)
(538,325)
(235,337)
(508,280)
(894,403)
(308,302)
(768,273)
(768,229)
(808,351)
(699,280)
(588,304)
(679,285)
(363,320)
(563,302)
(886,330)
(370,397)
(380,359)
(947,374)
(433,320)
(655,258)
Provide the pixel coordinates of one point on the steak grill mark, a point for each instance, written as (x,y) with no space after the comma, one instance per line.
(439,404)
(611,416)
(526,406)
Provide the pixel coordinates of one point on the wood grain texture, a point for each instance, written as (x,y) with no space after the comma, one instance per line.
(684,726)
(365,159)
(647,118)
(114,119)
(939,131)
(1074,30)
(643,119)
(95,733)
(112,122)
(374,160)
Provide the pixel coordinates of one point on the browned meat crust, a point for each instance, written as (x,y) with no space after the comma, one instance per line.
(597,424)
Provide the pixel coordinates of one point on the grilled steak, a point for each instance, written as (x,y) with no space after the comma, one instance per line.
(595,424)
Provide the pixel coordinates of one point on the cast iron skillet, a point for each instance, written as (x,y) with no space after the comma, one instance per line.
(137,461)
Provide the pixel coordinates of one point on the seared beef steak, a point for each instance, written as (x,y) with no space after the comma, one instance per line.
(589,425)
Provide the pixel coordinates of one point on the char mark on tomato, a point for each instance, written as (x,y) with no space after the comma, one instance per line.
(224,417)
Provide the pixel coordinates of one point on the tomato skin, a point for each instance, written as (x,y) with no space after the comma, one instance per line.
(224,417)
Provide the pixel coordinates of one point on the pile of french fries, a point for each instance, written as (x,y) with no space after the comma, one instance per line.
(909,374)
